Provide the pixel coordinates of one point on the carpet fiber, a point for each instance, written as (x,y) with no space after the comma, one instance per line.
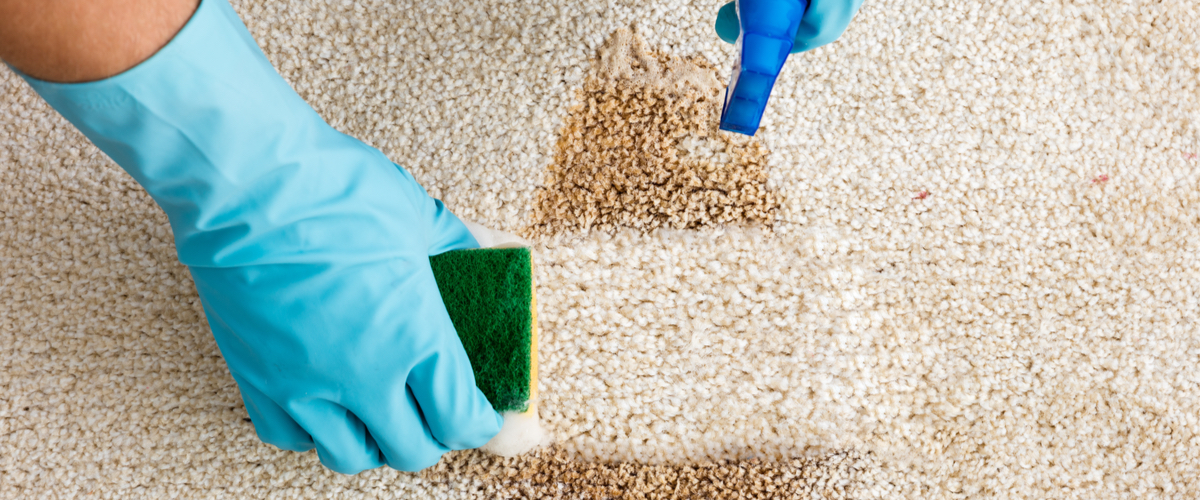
(979,276)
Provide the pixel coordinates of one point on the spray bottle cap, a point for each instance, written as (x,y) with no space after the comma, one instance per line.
(768,29)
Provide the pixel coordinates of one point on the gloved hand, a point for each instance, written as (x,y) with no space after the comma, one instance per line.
(823,22)
(310,250)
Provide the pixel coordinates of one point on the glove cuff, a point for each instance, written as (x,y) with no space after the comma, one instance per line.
(226,147)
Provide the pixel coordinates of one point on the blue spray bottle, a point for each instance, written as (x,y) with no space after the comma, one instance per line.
(768,29)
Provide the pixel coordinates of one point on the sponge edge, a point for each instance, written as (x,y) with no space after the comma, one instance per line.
(490,238)
(521,431)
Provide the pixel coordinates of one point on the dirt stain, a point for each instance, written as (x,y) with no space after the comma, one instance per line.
(550,473)
(642,150)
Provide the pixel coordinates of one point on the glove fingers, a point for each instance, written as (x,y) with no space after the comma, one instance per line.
(404,436)
(824,21)
(448,231)
(342,441)
(727,23)
(445,231)
(273,425)
(457,412)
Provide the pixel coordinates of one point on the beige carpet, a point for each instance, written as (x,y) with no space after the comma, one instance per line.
(978,277)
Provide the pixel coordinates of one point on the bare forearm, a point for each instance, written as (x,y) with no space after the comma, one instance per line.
(85,40)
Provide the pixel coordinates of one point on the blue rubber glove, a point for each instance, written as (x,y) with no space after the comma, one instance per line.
(310,250)
(823,22)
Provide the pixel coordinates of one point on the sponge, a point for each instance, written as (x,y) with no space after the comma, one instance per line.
(490,296)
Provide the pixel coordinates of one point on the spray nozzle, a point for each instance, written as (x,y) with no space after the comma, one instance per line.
(768,30)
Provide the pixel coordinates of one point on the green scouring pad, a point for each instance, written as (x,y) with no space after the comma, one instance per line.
(490,296)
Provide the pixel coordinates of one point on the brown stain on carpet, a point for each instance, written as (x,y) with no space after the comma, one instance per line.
(642,150)
(550,473)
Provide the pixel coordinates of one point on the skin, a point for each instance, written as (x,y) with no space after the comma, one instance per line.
(73,41)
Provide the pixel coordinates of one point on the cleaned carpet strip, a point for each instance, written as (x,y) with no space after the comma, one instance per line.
(980,278)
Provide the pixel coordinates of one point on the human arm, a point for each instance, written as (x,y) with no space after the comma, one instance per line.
(309,249)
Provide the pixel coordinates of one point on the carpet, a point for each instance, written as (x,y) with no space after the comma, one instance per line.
(961,259)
